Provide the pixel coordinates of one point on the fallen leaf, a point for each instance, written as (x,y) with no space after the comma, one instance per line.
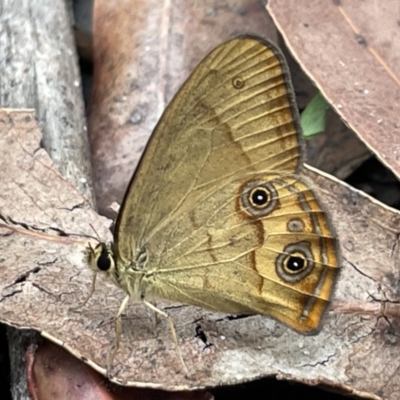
(43,276)
(349,49)
(53,373)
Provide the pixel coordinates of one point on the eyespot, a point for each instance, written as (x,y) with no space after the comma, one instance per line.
(295,262)
(295,225)
(238,82)
(259,198)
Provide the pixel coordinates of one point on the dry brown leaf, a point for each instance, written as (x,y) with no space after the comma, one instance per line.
(55,374)
(43,276)
(350,50)
(142,55)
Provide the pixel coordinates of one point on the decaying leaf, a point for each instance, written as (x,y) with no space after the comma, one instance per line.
(43,275)
(53,373)
(349,49)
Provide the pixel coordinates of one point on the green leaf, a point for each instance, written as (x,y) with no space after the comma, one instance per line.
(313,118)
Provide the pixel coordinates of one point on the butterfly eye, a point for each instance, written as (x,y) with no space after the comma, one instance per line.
(104,261)
(295,262)
(259,198)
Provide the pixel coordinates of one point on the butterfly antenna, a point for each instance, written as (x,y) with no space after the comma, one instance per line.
(97,235)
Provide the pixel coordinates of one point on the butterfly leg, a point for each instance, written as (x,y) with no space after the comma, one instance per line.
(118,332)
(92,289)
(156,318)
(172,328)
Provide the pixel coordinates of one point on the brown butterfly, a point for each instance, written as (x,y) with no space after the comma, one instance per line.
(216,215)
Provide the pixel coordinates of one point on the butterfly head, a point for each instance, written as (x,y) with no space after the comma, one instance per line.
(100,258)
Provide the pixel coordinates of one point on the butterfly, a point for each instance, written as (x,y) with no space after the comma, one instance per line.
(216,214)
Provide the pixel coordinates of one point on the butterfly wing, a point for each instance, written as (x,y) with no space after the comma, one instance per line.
(232,123)
(214,128)
(239,255)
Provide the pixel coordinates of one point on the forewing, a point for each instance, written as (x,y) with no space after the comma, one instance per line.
(235,114)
